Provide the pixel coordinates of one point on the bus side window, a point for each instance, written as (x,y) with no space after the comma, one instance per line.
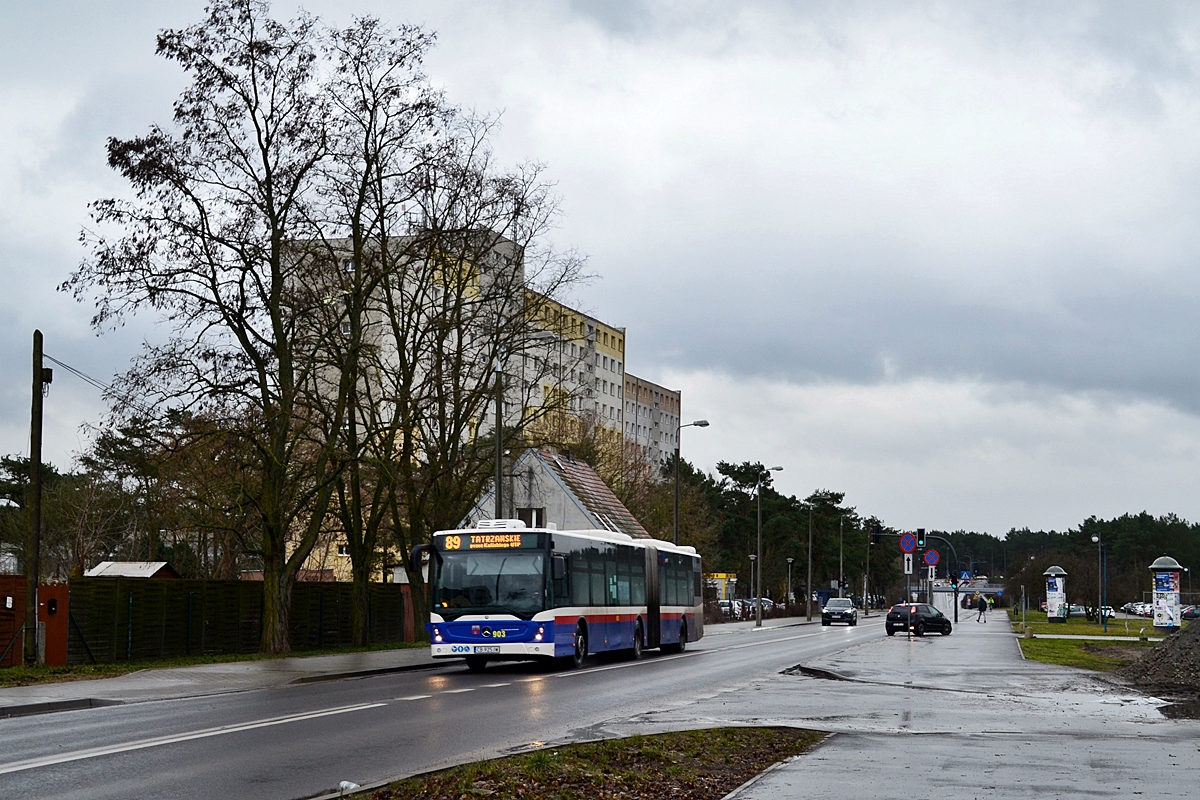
(579,579)
(558,580)
(637,595)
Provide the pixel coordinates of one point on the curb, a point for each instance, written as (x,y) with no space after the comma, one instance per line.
(32,709)
(366,673)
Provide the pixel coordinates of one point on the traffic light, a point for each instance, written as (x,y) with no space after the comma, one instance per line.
(953,581)
(876,534)
(920,537)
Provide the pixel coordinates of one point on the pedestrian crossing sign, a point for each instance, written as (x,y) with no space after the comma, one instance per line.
(964,576)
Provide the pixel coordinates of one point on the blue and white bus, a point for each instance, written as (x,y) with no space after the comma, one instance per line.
(504,592)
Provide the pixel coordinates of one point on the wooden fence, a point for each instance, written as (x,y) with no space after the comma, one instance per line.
(137,619)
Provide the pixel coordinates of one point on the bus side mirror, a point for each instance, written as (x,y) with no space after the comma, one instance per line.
(558,567)
(416,558)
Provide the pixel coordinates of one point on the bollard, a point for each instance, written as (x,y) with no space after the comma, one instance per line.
(1029,633)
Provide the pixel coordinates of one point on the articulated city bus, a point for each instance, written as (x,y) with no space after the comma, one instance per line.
(504,592)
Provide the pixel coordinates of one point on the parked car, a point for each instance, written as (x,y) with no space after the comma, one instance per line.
(839,609)
(1108,612)
(919,618)
(1076,610)
(726,607)
(1190,612)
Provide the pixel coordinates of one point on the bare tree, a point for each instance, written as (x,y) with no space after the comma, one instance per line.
(204,244)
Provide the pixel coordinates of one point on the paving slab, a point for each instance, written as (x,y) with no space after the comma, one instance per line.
(960,716)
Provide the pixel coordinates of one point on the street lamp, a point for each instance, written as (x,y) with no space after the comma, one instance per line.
(700,423)
(808,585)
(841,553)
(792,599)
(758,495)
(753,558)
(1100,581)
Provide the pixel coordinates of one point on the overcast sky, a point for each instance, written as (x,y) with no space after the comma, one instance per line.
(938,257)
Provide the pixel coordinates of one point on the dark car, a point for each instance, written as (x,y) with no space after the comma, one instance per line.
(839,609)
(919,618)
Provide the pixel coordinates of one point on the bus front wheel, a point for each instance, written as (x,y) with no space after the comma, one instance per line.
(581,646)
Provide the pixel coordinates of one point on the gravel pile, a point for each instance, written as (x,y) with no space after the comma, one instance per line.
(1172,667)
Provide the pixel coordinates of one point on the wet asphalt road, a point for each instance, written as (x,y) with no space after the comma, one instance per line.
(302,740)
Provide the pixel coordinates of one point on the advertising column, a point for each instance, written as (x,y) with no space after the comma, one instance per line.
(1056,594)
(1166,592)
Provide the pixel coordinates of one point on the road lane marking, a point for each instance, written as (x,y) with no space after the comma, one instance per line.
(411,697)
(495,685)
(456,691)
(96,752)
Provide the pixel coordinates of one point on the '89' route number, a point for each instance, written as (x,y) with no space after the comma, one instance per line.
(453,542)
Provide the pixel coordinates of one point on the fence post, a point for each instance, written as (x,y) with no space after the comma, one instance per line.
(191,607)
(129,631)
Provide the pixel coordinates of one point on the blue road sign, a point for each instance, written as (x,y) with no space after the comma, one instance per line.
(964,576)
(908,543)
(931,557)
(999,593)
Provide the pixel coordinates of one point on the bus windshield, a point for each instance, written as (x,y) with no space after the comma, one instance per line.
(490,583)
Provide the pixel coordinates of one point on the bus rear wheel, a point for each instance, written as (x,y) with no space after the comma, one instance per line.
(679,646)
(639,642)
(476,663)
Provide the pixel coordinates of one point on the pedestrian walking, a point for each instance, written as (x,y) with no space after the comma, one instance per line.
(983,607)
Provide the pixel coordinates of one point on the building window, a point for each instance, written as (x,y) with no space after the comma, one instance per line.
(348,265)
(345,328)
(344,550)
(532,517)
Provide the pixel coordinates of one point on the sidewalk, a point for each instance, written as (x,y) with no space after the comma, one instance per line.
(206,679)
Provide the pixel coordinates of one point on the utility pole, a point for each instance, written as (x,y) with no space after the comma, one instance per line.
(499,440)
(33,543)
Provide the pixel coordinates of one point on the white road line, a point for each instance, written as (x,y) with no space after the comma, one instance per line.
(96,752)
(494,685)
(411,697)
(457,691)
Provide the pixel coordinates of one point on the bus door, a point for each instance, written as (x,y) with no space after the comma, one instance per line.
(653,607)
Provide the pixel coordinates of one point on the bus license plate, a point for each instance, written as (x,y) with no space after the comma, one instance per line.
(487,648)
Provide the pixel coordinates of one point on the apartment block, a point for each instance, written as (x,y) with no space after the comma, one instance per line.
(651,418)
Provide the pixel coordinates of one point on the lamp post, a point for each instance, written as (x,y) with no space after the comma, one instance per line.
(841,552)
(753,558)
(808,585)
(700,423)
(1100,581)
(790,598)
(758,496)
(1188,570)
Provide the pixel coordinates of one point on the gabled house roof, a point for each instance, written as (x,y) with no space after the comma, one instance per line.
(581,485)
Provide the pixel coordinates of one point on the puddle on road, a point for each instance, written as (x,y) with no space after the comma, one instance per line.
(1181,710)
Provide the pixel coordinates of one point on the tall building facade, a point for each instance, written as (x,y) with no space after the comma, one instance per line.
(652,414)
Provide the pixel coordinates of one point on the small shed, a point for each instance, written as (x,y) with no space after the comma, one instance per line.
(132,569)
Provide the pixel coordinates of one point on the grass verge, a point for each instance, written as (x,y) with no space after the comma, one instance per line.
(1076,626)
(28,676)
(1099,656)
(698,765)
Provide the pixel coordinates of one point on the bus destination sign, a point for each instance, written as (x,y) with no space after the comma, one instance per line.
(491,541)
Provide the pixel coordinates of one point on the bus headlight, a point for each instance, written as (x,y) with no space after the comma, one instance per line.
(537,637)
(437,635)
